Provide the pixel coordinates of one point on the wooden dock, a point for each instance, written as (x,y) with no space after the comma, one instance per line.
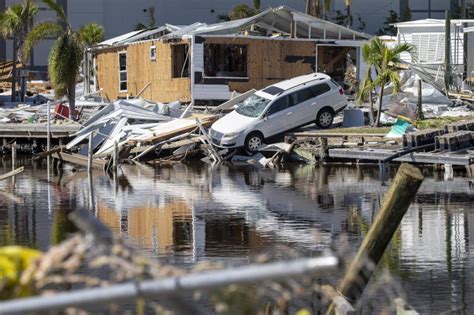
(361,154)
(451,145)
(37,131)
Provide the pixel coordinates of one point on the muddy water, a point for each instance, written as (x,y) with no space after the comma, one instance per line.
(188,213)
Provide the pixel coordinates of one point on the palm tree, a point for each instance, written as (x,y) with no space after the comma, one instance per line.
(312,8)
(91,34)
(348,3)
(66,53)
(384,61)
(326,8)
(14,23)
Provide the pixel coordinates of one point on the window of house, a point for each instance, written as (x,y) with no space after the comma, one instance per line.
(180,57)
(153,53)
(225,61)
(123,86)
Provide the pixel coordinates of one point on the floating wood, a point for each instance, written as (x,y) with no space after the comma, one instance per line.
(78,159)
(12,173)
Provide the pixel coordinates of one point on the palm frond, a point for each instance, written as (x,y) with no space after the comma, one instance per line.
(91,34)
(41,31)
(58,9)
(11,20)
(64,62)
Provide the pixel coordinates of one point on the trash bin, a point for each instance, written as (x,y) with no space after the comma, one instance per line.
(353,117)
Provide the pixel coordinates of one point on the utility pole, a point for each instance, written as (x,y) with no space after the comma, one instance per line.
(447,51)
(463,9)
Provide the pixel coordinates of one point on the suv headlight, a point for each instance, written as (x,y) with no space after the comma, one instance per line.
(231,135)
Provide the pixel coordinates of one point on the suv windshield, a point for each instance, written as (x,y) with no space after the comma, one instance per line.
(252,106)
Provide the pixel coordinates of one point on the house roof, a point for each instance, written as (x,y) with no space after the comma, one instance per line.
(139,35)
(275,20)
(432,22)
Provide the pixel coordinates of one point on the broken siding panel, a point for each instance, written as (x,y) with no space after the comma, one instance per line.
(107,73)
(142,70)
(198,57)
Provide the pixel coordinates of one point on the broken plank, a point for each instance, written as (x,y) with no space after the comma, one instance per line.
(12,173)
(78,159)
(46,153)
(162,136)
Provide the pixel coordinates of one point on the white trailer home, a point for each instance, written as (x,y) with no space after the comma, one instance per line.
(428,36)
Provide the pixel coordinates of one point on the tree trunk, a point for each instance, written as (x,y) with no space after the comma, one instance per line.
(72,100)
(371,111)
(14,74)
(348,16)
(21,43)
(382,85)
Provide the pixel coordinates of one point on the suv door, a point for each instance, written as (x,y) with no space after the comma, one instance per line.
(277,117)
(321,97)
(301,103)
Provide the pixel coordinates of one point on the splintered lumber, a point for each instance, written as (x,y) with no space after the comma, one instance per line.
(46,153)
(455,141)
(172,129)
(78,159)
(12,173)
(394,206)
(422,137)
(459,126)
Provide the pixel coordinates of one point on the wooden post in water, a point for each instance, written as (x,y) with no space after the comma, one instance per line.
(323,149)
(13,161)
(394,206)
(116,157)
(13,155)
(90,155)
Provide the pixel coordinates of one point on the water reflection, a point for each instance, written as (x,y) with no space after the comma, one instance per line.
(187,213)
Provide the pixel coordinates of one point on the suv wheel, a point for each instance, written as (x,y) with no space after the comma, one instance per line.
(253,141)
(324,118)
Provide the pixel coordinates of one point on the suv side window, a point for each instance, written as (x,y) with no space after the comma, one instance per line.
(278,105)
(300,96)
(319,89)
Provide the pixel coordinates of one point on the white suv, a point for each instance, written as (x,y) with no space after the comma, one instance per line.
(279,108)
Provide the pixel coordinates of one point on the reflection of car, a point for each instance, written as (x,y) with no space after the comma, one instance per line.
(278,108)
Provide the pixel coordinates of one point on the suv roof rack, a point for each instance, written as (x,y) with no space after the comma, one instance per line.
(304,83)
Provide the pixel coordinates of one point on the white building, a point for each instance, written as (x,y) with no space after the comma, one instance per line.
(428,36)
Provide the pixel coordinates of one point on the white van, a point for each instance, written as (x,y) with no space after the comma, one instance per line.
(312,98)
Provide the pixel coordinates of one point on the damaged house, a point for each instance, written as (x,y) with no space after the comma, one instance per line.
(206,63)
(429,38)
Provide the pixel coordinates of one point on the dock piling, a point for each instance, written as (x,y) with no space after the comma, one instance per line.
(395,204)
(90,155)
(116,157)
